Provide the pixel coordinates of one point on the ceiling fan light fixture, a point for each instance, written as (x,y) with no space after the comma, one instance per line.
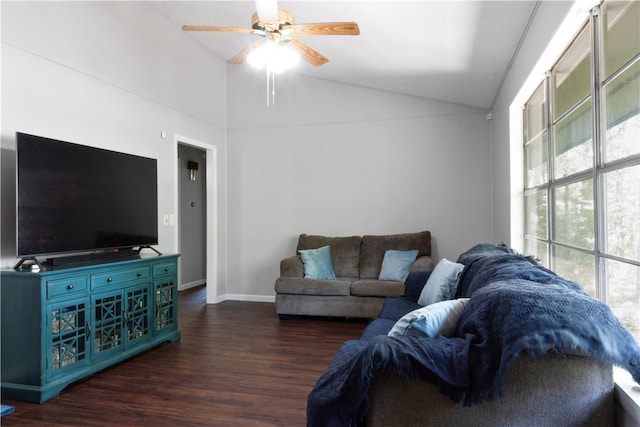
(276,57)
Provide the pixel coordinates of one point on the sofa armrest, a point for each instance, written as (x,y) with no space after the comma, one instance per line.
(423,263)
(292,267)
(532,389)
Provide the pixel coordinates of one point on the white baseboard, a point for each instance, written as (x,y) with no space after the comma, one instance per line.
(242,297)
(218,299)
(185,286)
(230,297)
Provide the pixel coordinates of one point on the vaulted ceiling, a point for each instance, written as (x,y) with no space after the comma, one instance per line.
(456,51)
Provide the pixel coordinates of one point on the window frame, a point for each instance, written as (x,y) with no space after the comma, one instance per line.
(598,170)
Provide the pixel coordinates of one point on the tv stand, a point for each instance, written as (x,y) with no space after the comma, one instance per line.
(60,326)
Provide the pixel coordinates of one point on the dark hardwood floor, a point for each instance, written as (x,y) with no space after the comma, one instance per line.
(237,364)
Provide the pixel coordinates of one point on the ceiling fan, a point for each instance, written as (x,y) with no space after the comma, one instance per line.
(278,26)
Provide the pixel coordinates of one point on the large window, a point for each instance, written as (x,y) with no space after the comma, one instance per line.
(582,161)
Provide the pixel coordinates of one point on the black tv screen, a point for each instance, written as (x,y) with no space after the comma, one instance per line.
(75,198)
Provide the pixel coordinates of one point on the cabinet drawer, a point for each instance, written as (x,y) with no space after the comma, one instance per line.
(68,286)
(166,268)
(119,276)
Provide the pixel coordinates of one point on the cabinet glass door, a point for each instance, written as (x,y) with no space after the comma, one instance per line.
(108,323)
(165,305)
(137,313)
(68,333)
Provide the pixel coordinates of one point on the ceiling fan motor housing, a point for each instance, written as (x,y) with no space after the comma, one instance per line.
(284,18)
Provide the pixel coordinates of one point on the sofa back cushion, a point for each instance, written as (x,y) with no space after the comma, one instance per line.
(414,284)
(373,248)
(345,252)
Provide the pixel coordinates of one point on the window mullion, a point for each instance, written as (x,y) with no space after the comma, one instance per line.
(599,221)
(548,93)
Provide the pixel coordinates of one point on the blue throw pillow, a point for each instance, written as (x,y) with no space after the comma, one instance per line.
(317,263)
(396,265)
(414,283)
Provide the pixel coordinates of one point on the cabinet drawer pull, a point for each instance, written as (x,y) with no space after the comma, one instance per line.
(70,286)
(109,280)
(166,269)
(139,274)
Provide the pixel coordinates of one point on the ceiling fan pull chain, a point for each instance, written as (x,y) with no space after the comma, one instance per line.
(271,87)
(267,70)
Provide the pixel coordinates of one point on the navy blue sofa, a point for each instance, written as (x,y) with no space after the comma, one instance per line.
(500,368)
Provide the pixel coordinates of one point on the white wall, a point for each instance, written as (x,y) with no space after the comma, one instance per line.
(506,139)
(124,44)
(327,158)
(339,160)
(108,74)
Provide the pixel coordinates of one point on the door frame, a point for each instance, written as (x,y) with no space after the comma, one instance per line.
(211,262)
(181,217)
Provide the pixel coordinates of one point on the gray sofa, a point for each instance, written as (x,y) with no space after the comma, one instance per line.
(356,292)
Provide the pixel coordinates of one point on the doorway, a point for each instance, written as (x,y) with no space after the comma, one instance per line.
(192,214)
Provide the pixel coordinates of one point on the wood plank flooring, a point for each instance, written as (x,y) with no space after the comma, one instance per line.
(237,364)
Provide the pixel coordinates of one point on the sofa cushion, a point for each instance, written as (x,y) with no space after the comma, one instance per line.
(423,263)
(441,318)
(414,284)
(294,285)
(345,252)
(373,248)
(396,264)
(376,288)
(442,282)
(378,326)
(317,263)
(394,308)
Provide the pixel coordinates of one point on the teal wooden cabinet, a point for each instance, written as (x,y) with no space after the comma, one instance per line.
(62,325)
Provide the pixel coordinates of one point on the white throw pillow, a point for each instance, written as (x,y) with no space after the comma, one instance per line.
(441,283)
(441,318)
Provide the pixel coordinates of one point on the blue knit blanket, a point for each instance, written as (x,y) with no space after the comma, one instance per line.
(511,311)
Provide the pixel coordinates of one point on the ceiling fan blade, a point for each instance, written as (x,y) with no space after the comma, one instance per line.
(242,55)
(309,54)
(267,11)
(214,28)
(326,29)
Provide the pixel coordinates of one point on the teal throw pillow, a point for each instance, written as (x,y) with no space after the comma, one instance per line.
(441,283)
(441,318)
(317,263)
(396,265)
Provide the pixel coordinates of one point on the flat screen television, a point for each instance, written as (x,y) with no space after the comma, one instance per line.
(74,198)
